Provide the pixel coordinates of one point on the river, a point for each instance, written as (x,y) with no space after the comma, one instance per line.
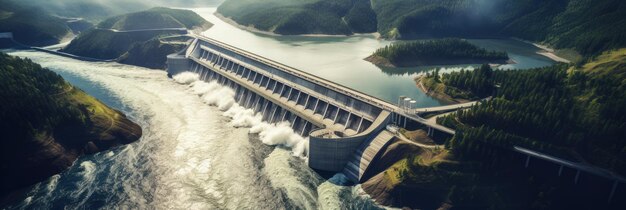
(196,155)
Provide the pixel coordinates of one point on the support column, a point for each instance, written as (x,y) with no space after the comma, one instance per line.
(336,114)
(304,127)
(360,123)
(404,122)
(527,161)
(289,94)
(325,110)
(347,121)
(248,99)
(263,107)
(577,176)
(315,107)
(560,170)
(306,102)
(281,90)
(273,113)
(254,78)
(298,97)
(294,123)
(284,115)
(258,98)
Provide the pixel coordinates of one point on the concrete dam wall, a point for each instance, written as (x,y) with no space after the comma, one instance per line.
(337,119)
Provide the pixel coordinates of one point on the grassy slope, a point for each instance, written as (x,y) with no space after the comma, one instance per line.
(430,179)
(47,123)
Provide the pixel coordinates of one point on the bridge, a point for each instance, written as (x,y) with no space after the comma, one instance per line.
(449,108)
(346,128)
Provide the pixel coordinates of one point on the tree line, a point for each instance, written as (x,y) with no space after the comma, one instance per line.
(436,51)
(548,109)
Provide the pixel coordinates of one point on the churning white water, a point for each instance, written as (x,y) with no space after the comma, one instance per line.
(223,98)
(199,150)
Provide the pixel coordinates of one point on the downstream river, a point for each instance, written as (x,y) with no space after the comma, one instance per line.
(195,155)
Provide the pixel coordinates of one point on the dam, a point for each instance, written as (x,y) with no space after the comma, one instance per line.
(346,128)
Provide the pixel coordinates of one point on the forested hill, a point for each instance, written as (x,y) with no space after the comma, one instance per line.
(155,18)
(588,26)
(434,52)
(47,123)
(302,16)
(114,37)
(31,25)
(563,110)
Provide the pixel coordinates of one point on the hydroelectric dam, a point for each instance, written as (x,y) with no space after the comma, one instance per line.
(346,128)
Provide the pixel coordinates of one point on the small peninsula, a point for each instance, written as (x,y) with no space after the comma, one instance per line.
(462,86)
(434,52)
(47,124)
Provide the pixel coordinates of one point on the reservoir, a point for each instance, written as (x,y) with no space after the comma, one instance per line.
(340,58)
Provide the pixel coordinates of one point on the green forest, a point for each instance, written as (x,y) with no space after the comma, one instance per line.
(587,26)
(565,110)
(303,17)
(47,123)
(158,17)
(438,51)
(32,26)
(30,102)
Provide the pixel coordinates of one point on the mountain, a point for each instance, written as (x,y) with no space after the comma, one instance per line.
(32,25)
(158,17)
(303,16)
(587,26)
(117,35)
(47,123)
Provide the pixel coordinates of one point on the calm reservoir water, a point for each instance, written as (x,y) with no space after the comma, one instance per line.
(340,58)
(200,151)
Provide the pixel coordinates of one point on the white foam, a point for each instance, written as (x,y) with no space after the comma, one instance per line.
(223,98)
(52,184)
(186,77)
(88,169)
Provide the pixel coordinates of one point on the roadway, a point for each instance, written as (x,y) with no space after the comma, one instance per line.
(578,166)
(451,107)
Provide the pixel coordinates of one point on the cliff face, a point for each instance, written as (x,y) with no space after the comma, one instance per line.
(46,124)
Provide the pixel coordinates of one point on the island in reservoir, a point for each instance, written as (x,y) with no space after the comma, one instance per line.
(435,52)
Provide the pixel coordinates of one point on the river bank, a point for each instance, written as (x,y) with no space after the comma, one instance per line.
(546,51)
(437,92)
